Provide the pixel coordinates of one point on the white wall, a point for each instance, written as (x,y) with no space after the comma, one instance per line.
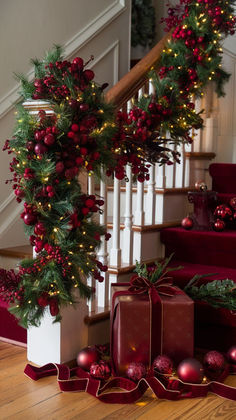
(27,29)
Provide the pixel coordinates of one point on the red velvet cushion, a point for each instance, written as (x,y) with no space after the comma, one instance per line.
(223,177)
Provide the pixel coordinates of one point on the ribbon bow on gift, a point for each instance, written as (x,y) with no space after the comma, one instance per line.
(142,285)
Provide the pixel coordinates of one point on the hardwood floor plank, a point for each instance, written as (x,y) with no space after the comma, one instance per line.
(24,399)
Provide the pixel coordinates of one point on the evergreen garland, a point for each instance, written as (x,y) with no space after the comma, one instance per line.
(84,133)
(217,293)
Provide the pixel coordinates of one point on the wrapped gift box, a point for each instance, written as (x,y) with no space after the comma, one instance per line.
(141,329)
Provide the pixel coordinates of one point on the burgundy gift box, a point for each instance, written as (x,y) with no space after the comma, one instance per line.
(141,329)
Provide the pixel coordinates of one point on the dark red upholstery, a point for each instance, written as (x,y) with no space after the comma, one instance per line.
(9,327)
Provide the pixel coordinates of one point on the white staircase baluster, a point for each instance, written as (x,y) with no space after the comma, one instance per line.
(139,213)
(103,288)
(127,248)
(91,281)
(150,198)
(115,253)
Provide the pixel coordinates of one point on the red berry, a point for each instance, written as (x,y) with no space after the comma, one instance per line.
(75,128)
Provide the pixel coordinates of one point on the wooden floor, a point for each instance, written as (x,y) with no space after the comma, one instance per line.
(22,398)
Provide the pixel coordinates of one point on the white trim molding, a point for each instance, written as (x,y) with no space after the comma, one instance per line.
(8,101)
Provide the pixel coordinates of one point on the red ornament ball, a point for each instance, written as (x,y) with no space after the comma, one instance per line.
(187,223)
(59,167)
(49,139)
(219,225)
(190,371)
(40,149)
(87,357)
(135,371)
(214,364)
(231,355)
(29,219)
(100,370)
(163,364)
(223,212)
(30,146)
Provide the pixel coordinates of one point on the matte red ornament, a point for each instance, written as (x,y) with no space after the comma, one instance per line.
(136,371)
(163,364)
(187,223)
(49,139)
(231,355)
(40,149)
(59,167)
(29,219)
(214,364)
(190,371)
(43,300)
(87,357)
(219,225)
(100,370)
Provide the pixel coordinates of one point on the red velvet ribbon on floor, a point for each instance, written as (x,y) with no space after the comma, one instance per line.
(171,389)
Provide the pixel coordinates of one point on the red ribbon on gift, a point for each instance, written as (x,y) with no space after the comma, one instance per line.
(169,389)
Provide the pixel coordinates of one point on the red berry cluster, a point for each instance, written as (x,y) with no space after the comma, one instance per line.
(9,286)
(60,70)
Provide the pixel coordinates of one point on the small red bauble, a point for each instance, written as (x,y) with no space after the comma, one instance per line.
(40,149)
(136,371)
(100,370)
(187,223)
(233,203)
(219,225)
(49,139)
(214,364)
(231,355)
(39,229)
(163,364)
(30,146)
(190,371)
(29,219)
(87,357)
(59,167)
(223,212)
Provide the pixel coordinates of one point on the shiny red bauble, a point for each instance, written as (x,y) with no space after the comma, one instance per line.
(231,355)
(39,229)
(100,370)
(187,223)
(30,146)
(29,219)
(135,371)
(190,371)
(40,149)
(87,357)
(214,364)
(163,364)
(223,212)
(49,139)
(219,225)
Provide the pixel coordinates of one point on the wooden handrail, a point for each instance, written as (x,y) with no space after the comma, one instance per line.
(122,91)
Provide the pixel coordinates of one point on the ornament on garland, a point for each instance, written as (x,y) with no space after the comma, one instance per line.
(200,186)
(190,371)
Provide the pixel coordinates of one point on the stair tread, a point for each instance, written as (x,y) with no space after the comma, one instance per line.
(17,251)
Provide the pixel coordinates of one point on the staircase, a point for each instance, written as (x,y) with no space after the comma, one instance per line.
(202,252)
